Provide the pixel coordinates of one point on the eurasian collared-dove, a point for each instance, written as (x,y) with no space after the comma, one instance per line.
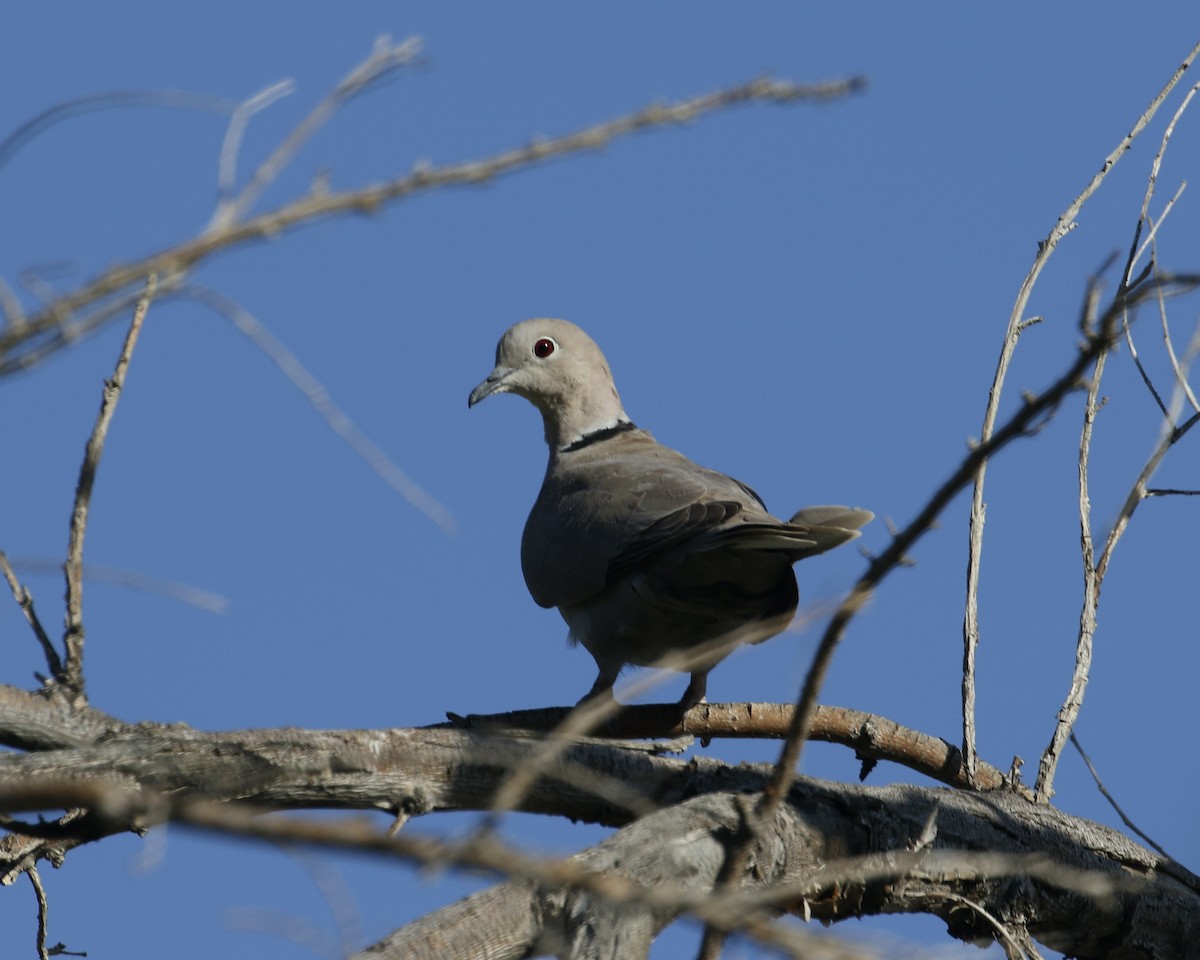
(645,553)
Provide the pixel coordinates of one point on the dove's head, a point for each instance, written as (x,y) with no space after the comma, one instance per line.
(560,370)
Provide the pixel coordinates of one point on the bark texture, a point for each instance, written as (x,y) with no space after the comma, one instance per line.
(991,864)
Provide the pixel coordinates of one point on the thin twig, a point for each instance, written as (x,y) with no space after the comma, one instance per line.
(10,306)
(51,327)
(740,909)
(1168,437)
(74,634)
(1181,380)
(1091,584)
(1026,419)
(174,99)
(385,58)
(1133,350)
(1136,251)
(1112,800)
(589,716)
(1136,494)
(482,852)
(1068,714)
(583,718)
(1138,246)
(37,348)
(316,394)
(1156,225)
(137,580)
(25,601)
(43,912)
(1094,571)
(1064,224)
(1012,950)
(231,145)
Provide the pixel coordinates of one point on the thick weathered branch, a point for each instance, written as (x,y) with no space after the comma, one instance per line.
(835,851)
(132,776)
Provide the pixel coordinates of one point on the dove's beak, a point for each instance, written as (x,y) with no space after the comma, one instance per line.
(496,382)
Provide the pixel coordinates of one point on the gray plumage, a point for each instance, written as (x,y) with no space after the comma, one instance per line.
(644,553)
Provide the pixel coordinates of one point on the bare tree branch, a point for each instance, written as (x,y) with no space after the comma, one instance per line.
(1177,368)
(831,851)
(57,323)
(1110,798)
(72,676)
(384,59)
(43,910)
(185,593)
(231,145)
(727,847)
(1065,223)
(173,99)
(1094,572)
(1024,420)
(25,601)
(132,776)
(315,393)
(872,737)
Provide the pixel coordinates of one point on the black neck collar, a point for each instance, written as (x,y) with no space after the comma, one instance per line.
(621,426)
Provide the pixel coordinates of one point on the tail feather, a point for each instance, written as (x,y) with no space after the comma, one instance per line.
(830,526)
(850,518)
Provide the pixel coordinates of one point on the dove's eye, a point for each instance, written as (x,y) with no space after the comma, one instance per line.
(543,348)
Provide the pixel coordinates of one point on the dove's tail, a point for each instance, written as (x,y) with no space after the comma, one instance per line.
(831,526)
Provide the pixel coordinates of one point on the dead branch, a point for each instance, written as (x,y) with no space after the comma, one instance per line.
(1016,322)
(872,737)
(72,674)
(60,322)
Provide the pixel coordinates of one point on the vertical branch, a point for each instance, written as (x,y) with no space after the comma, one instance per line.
(1069,711)
(1065,223)
(72,675)
(1023,422)
(1094,572)
(43,912)
(970,755)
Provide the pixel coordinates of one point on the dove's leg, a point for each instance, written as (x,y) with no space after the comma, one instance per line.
(695,692)
(604,682)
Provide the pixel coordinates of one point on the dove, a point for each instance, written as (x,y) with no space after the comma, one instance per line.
(650,558)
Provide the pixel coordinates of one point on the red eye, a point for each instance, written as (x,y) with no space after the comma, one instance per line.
(543,348)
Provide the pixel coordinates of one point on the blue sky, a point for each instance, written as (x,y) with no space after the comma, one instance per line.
(810,298)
